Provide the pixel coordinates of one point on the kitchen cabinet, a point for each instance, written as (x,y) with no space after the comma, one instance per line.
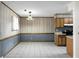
(68,21)
(59,22)
(60,40)
(70,46)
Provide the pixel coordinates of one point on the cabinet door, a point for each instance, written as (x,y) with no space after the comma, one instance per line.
(56,40)
(57,22)
(68,21)
(71,21)
(64,40)
(59,40)
(70,46)
(62,22)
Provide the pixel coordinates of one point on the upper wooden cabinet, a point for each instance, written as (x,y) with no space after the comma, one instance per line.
(59,22)
(68,21)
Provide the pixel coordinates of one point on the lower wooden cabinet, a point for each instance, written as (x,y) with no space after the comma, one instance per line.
(70,47)
(60,40)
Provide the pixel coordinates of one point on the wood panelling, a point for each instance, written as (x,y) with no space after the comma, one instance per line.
(6,21)
(37,25)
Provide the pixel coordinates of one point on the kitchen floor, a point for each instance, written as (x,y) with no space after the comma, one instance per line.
(37,50)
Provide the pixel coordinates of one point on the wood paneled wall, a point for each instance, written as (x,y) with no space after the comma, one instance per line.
(5,21)
(37,25)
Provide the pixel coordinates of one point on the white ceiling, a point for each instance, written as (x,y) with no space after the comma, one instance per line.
(38,8)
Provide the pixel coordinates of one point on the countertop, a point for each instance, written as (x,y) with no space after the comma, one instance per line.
(71,37)
(59,33)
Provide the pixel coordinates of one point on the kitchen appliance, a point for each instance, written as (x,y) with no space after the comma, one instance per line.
(68,32)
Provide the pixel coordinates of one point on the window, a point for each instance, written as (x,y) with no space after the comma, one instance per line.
(15,23)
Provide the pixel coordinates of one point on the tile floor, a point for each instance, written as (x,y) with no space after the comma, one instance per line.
(37,50)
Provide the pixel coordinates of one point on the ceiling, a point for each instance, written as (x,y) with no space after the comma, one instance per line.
(38,8)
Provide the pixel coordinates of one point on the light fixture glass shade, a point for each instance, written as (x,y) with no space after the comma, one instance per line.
(29,18)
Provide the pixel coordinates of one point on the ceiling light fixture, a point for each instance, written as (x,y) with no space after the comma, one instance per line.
(29,15)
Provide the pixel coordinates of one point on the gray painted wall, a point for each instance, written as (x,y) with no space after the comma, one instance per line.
(37,37)
(7,44)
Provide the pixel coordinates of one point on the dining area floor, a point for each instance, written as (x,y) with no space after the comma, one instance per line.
(38,50)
